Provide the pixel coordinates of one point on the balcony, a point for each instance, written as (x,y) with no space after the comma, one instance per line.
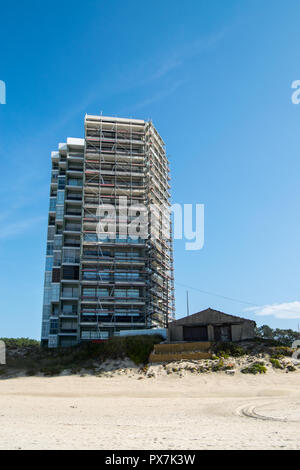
(72,228)
(74,183)
(73,197)
(71,260)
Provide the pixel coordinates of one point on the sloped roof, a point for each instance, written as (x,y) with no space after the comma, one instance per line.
(197,316)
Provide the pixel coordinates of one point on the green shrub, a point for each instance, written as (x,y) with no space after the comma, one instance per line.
(20,342)
(139,348)
(291,368)
(53,361)
(228,349)
(275,363)
(281,351)
(255,368)
(219,366)
(223,354)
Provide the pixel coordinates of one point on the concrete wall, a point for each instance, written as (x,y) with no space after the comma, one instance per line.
(175,333)
(239,332)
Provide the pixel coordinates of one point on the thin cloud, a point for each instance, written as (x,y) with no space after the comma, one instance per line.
(178,57)
(18,228)
(285,310)
(156,97)
(165,67)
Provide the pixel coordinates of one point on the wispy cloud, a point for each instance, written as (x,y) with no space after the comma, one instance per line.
(178,57)
(166,66)
(285,310)
(18,228)
(155,97)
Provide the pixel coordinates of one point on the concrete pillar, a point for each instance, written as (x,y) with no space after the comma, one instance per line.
(211,333)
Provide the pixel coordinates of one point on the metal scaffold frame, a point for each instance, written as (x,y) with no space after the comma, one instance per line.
(120,160)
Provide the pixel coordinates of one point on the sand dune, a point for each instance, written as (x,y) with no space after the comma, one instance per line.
(212,411)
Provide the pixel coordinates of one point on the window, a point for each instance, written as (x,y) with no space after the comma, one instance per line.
(71,272)
(71,255)
(90,275)
(55,292)
(52,341)
(93,292)
(72,241)
(57,242)
(60,197)
(74,182)
(45,329)
(53,327)
(127,293)
(51,232)
(55,310)
(70,309)
(56,275)
(46,312)
(48,276)
(52,205)
(61,182)
(49,248)
(71,292)
(49,263)
(121,293)
(59,212)
(91,237)
(69,325)
(57,259)
(47,295)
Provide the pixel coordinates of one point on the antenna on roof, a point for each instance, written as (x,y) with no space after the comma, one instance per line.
(187,304)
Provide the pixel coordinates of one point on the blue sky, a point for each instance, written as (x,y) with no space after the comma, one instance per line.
(215,77)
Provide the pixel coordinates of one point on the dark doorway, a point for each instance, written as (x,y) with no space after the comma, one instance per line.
(222,333)
(195,333)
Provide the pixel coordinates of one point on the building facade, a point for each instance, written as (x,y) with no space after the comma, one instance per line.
(211,325)
(97,284)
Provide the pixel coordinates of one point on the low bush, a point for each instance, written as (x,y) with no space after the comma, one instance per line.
(219,366)
(53,361)
(139,348)
(228,349)
(278,352)
(20,342)
(275,363)
(255,368)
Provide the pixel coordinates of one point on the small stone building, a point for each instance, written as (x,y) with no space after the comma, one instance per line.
(211,325)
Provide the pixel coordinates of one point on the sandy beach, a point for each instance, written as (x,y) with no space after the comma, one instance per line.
(213,411)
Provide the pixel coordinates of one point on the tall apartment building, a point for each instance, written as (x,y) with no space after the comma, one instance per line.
(95,287)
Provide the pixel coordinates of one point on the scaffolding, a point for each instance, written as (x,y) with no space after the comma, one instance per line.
(124,158)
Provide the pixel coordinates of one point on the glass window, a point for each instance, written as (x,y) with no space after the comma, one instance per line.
(59,212)
(60,197)
(45,329)
(53,327)
(46,312)
(55,292)
(52,205)
(50,248)
(61,182)
(120,293)
(47,295)
(49,263)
